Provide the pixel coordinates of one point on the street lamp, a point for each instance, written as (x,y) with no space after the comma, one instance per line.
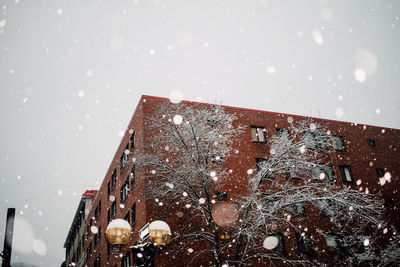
(119,232)
(159,233)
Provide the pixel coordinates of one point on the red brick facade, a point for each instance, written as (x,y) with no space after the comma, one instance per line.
(368,150)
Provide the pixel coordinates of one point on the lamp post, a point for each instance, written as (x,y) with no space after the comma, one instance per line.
(119,233)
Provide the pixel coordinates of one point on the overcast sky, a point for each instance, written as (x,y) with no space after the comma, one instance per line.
(72,72)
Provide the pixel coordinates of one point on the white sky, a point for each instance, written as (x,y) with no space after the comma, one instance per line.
(72,72)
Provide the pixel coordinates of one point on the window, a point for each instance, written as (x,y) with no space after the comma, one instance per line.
(304,243)
(360,242)
(113,179)
(292,173)
(108,188)
(315,140)
(380,172)
(133,175)
(282,133)
(309,139)
(109,215)
(336,244)
(224,236)
(125,262)
(345,173)
(213,123)
(132,141)
(297,208)
(108,249)
(269,202)
(96,239)
(216,159)
(327,207)
(258,134)
(260,163)
(124,158)
(389,203)
(133,213)
(222,196)
(125,190)
(128,217)
(113,210)
(321,172)
(280,249)
(337,142)
(100,208)
(96,213)
(371,142)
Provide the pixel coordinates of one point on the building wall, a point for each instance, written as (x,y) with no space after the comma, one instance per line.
(74,243)
(361,156)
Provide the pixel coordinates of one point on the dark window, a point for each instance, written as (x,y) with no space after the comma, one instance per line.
(213,123)
(216,159)
(346,174)
(282,133)
(113,179)
(389,203)
(337,142)
(132,140)
(123,161)
(125,190)
(298,208)
(133,176)
(258,134)
(361,247)
(380,172)
(269,202)
(128,217)
(96,239)
(304,243)
(133,213)
(109,215)
(100,208)
(327,207)
(125,262)
(222,196)
(321,172)
(292,173)
(260,163)
(96,213)
(113,210)
(108,249)
(97,262)
(371,142)
(337,244)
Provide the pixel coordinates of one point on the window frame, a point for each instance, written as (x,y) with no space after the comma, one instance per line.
(256,132)
(304,243)
(345,175)
(321,168)
(124,191)
(334,142)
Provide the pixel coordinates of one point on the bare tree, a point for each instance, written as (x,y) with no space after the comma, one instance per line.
(184,162)
(297,176)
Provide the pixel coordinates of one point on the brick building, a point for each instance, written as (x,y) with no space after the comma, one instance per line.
(74,243)
(361,152)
